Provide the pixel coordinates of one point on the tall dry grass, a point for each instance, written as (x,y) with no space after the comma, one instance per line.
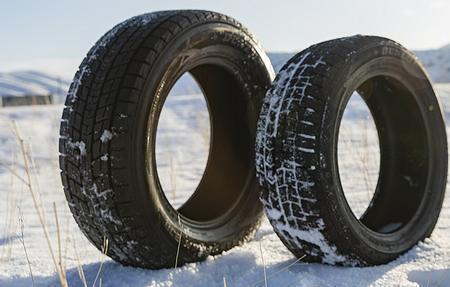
(37,203)
(29,180)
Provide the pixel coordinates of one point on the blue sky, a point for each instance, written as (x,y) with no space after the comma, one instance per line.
(55,35)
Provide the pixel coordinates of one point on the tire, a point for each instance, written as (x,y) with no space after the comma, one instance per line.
(296,152)
(112,109)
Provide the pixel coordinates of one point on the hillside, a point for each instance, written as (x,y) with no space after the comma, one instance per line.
(437,63)
(33,83)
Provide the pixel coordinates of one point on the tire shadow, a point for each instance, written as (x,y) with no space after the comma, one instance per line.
(7,239)
(208,273)
(239,268)
(437,278)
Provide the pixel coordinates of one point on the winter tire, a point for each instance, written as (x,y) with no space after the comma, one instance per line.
(108,136)
(296,148)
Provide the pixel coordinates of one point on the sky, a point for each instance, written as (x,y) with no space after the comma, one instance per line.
(55,35)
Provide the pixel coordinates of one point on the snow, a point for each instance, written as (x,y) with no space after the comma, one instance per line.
(106,136)
(307,150)
(427,264)
(314,236)
(81,146)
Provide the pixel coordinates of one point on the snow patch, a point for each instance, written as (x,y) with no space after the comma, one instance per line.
(308,136)
(313,236)
(106,136)
(307,150)
(79,145)
(426,264)
(274,214)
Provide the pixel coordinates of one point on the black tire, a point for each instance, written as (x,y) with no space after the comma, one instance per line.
(112,109)
(297,152)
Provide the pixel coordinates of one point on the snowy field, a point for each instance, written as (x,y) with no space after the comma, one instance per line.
(23,249)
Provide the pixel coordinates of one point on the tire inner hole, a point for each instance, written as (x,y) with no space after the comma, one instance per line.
(204,147)
(358,155)
(383,154)
(182,140)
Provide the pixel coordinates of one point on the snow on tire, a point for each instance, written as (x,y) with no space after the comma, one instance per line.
(296,152)
(108,132)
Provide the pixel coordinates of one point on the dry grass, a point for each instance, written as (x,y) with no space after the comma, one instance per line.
(9,226)
(22,240)
(29,182)
(38,204)
(179,242)
(98,276)
(263,263)
(173,180)
(275,273)
(202,121)
(30,185)
(78,264)
(58,232)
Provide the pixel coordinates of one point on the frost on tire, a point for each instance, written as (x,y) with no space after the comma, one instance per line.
(296,157)
(108,132)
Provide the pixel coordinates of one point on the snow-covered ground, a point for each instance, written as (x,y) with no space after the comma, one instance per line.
(427,264)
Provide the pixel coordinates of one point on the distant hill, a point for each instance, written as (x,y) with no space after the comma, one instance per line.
(437,63)
(278,59)
(33,83)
